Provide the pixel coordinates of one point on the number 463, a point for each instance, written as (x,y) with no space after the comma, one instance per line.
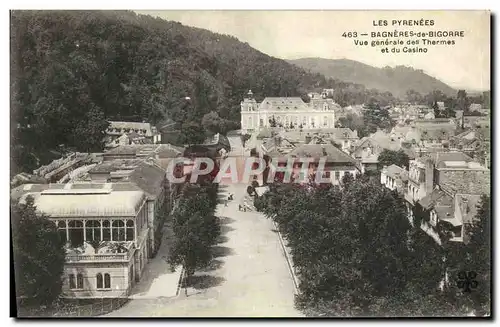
(350,34)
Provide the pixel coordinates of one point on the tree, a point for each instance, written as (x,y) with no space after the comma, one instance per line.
(414,97)
(473,256)
(214,124)
(390,157)
(480,255)
(191,133)
(437,111)
(245,138)
(463,101)
(89,134)
(355,123)
(375,117)
(39,254)
(390,264)
(272,122)
(195,228)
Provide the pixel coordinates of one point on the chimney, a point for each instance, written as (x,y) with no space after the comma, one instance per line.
(429,176)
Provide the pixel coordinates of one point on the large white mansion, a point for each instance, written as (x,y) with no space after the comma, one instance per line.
(287,112)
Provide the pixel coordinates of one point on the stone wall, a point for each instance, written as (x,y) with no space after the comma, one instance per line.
(119,273)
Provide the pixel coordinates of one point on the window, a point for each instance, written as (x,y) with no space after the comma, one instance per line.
(61,228)
(325,120)
(72,284)
(261,122)
(99,280)
(337,175)
(130,230)
(107,281)
(93,230)
(75,228)
(118,229)
(106,231)
(79,281)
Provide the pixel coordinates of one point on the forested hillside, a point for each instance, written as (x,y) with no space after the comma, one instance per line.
(398,80)
(73,70)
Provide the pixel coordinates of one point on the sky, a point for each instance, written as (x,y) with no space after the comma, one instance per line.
(299,34)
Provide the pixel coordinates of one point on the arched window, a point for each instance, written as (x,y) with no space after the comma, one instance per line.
(250,122)
(106,231)
(107,281)
(325,120)
(93,230)
(76,233)
(79,281)
(61,228)
(130,230)
(99,280)
(72,284)
(118,229)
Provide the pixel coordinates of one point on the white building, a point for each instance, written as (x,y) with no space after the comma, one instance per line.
(287,112)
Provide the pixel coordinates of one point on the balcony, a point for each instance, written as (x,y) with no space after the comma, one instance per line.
(122,257)
(108,253)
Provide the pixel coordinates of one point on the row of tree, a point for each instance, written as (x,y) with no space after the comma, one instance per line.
(356,254)
(195,227)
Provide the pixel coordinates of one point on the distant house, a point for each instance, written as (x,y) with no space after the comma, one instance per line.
(366,151)
(118,128)
(449,214)
(128,139)
(394,178)
(346,137)
(429,115)
(337,163)
(475,107)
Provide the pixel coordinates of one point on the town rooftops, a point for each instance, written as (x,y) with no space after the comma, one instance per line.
(438,198)
(344,133)
(116,164)
(440,157)
(433,121)
(317,151)
(59,203)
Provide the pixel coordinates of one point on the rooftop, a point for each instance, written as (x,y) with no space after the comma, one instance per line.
(437,198)
(116,164)
(85,203)
(396,172)
(317,151)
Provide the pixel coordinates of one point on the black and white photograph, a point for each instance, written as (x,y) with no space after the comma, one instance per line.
(250,163)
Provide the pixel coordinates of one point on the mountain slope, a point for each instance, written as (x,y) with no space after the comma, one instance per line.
(396,80)
(73,70)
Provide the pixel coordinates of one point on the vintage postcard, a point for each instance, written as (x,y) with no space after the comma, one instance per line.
(250,163)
